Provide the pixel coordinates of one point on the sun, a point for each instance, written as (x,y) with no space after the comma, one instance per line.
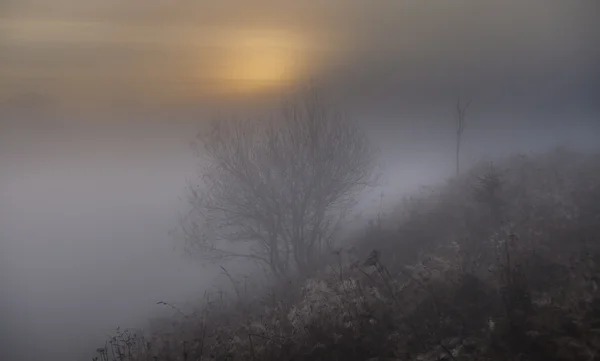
(253,61)
(261,65)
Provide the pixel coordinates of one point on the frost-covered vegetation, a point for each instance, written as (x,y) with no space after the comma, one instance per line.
(501,263)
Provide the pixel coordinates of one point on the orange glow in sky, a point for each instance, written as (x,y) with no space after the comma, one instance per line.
(154,52)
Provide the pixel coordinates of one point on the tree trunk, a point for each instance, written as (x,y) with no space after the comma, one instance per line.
(458,153)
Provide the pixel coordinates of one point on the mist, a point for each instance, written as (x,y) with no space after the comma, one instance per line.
(96,119)
(86,213)
(85,228)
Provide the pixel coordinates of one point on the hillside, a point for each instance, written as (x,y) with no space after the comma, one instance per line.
(501,263)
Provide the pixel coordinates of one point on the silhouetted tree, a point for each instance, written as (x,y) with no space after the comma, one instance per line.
(275,190)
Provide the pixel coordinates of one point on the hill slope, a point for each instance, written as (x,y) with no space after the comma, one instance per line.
(501,263)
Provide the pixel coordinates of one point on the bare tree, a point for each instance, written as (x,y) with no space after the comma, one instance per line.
(460,127)
(276,190)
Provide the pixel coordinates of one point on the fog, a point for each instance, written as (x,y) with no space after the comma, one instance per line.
(99,100)
(84,226)
(85,248)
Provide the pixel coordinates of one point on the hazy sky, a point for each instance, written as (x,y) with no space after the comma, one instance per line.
(78,52)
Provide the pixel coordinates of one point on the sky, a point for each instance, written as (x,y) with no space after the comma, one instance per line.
(158,52)
(100,98)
